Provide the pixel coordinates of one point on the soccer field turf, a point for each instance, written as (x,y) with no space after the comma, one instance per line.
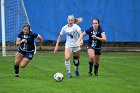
(119,72)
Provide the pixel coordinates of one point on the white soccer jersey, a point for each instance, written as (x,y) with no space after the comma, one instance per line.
(72,35)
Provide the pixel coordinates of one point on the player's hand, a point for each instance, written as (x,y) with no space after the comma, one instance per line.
(23,40)
(55,49)
(94,36)
(40,47)
(79,43)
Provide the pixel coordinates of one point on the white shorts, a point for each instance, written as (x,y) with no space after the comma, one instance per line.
(74,49)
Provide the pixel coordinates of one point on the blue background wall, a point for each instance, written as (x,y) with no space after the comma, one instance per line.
(119,18)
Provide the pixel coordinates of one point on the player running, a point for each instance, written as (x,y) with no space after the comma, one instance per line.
(96,36)
(25,52)
(72,30)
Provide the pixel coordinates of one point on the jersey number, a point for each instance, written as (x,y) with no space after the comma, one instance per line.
(94,43)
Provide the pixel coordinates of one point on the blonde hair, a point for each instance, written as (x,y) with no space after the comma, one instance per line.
(76,20)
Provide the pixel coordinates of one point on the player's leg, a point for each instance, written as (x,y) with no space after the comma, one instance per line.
(76,62)
(91,54)
(24,62)
(27,57)
(96,65)
(18,58)
(97,58)
(67,61)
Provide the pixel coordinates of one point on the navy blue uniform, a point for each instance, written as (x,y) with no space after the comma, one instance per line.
(92,42)
(27,48)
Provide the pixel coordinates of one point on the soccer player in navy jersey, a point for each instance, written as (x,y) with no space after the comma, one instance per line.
(96,37)
(25,52)
(72,31)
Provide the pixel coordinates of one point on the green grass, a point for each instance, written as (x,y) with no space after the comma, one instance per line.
(119,72)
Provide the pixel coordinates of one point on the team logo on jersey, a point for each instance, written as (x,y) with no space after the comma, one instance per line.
(94,32)
(71,34)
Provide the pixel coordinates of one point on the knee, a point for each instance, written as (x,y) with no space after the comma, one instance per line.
(17,62)
(91,58)
(67,58)
(76,60)
(22,66)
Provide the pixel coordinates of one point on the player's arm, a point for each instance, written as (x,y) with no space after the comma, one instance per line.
(57,43)
(80,39)
(19,41)
(102,38)
(39,37)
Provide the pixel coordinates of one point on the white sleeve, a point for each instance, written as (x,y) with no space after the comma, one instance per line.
(62,32)
(78,28)
(103,33)
(38,36)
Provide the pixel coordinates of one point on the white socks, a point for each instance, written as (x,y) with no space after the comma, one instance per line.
(76,68)
(67,65)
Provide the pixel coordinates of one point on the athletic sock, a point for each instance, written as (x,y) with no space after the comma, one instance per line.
(16,68)
(96,66)
(76,68)
(76,62)
(90,67)
(67,65)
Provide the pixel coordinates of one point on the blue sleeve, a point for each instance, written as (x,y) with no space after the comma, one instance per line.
(35,35)
(101,30)
(20,35)
(88,31)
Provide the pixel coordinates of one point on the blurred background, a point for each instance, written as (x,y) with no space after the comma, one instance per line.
(118,18)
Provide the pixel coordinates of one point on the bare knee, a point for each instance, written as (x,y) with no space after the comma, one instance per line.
(67,58)
(22,66)
(17,62)
(91,58)
(24,62)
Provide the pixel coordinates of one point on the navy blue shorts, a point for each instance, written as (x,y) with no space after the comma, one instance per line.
(28,55)
(97,50)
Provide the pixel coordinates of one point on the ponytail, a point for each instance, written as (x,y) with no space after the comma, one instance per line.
(77,20)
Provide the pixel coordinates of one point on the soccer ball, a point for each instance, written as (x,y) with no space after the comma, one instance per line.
(58,76)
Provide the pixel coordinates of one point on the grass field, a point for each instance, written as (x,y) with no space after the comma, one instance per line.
(119,73)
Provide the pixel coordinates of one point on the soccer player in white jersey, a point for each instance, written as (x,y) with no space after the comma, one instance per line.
(72,31)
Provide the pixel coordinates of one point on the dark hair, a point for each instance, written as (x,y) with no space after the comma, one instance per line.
(97,20)
(26,25)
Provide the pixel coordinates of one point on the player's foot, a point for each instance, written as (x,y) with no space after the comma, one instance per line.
(96,73)
(90,74)
(77,73)
(69,75)
(16,75)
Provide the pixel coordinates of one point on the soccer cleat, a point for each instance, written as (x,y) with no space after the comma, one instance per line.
(96,66)
(95,72)
(16,75)
(77,73)
(90,74)
(69,75)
